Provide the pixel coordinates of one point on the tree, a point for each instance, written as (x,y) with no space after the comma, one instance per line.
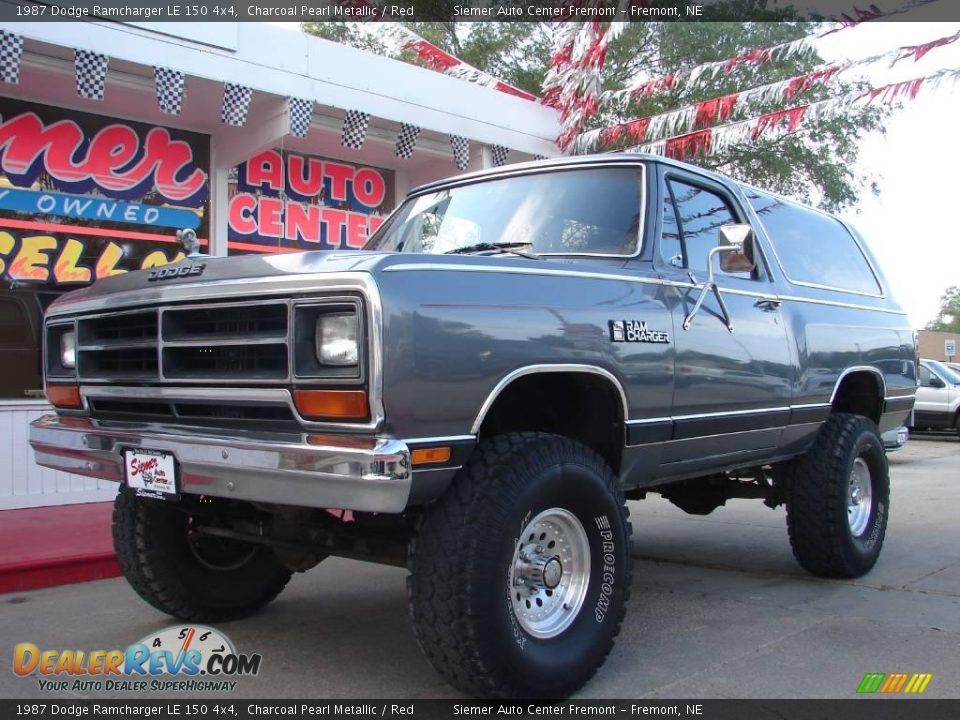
(816,163)
(948,319)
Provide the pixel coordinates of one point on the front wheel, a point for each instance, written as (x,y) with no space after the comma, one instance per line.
(520,573)
(187,574)
(838,499)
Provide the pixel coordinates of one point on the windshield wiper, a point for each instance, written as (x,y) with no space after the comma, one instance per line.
(501,247)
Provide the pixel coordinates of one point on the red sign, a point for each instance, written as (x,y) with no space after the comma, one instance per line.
(306,203)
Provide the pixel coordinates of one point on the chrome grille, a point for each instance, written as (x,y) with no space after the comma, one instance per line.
(234,343)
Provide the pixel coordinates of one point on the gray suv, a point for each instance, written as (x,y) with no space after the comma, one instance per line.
(475,397)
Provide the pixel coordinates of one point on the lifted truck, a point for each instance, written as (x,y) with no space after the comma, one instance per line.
(475,395)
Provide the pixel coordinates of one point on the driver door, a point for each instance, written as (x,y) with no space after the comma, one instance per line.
(732,389)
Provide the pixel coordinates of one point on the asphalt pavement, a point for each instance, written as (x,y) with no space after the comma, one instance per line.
(719,609)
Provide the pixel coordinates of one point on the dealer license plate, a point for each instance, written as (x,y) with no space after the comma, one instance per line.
(151,473)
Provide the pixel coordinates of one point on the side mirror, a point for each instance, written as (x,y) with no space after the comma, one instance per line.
(189,242)
(736,246)
(937,382)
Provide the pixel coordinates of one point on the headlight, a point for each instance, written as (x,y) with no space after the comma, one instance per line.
(68,350)
(338,339)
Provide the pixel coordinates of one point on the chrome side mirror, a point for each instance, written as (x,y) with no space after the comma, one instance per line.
(736,246)
(189,242)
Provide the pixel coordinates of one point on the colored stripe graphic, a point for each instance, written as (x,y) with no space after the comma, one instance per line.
(894,683)
(871,682)
(918,683)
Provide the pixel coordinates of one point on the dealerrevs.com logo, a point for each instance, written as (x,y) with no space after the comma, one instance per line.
(181,658)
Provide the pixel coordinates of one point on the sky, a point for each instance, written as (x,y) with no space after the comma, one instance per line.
(916,164)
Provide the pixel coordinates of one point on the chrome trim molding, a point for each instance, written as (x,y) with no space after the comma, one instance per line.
(439,440)
(860,368)
(529,270)
(318,471)
(546,368)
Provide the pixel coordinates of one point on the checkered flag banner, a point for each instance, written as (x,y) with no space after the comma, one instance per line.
(461,151)
(539,157)
(91,72)
(406,141)
(355,126)
(300,111)
(170,84)
(499,153)
(11,50)
(236,103)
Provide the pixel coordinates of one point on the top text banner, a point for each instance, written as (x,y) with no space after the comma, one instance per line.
(476,10)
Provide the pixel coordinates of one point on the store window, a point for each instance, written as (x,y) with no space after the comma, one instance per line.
(83,197)
(287,201)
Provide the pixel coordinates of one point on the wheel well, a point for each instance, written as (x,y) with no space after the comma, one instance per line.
(582,406)
(859,393)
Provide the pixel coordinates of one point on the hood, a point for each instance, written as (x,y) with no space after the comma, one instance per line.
(249,268)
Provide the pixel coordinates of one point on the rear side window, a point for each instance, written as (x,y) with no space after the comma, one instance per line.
(813,247)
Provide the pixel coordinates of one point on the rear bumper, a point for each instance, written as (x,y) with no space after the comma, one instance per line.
(321,471)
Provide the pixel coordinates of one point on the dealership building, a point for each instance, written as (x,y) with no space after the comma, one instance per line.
(115,135)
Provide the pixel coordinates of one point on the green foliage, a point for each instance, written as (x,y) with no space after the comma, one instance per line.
(948,319)
(817,163)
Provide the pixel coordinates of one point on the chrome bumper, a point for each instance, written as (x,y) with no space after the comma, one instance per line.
(321,471)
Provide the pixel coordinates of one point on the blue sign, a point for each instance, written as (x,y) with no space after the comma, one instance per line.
(94,208)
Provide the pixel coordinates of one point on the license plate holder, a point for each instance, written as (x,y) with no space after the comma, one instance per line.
(151,473)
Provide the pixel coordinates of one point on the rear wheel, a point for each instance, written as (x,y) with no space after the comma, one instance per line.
(838,499)
(520,573)
(187,574)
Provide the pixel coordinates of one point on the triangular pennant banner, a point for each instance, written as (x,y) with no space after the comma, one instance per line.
(301,112)
(236,103)
(499,153)
(170,85)
(461,151)
(406,141)
(355,126)
(11,51)
(91,71)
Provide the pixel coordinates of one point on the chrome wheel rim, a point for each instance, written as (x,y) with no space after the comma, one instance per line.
(859,497)
(549,573)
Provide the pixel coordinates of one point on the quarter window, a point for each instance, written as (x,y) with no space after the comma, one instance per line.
(813,247)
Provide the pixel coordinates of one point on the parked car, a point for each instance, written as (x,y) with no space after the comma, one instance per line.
(896,438)
(519,351)
(938,398)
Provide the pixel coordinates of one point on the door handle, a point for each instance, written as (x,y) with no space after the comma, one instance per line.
(767,304)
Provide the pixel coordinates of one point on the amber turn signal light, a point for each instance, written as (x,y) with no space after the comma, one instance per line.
(422,456)
(64,396)
(332,404)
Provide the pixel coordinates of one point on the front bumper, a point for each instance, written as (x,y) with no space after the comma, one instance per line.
(320,471)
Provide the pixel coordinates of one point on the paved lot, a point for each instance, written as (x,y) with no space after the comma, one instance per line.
(719,609)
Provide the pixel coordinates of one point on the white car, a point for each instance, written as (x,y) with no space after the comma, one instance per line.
(938,398)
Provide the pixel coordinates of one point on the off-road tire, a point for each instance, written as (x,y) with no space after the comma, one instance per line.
(151,541)
(460,561)
(817,491)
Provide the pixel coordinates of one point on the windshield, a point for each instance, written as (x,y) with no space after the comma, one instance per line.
(944,372)
(570,212)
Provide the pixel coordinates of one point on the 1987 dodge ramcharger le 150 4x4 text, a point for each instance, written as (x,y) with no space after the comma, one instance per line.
(514,353)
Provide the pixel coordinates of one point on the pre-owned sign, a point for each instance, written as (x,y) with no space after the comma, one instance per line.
(289,200)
